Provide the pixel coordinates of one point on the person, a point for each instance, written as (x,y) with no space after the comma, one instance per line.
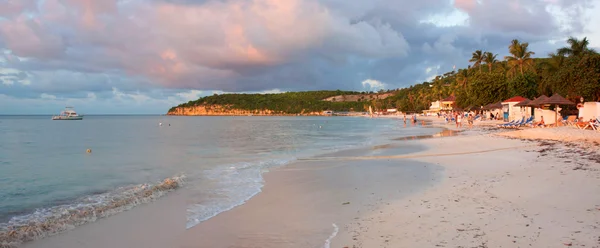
(459,120)
(541,123)
(470,121)
(404,118)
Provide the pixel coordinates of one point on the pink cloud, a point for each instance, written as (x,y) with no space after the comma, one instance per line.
(190,44)
(28,38)
(466,5)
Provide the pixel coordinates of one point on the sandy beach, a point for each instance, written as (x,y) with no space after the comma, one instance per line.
(477,189)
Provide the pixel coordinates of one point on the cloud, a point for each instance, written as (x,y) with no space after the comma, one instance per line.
(372,84)
(179,49)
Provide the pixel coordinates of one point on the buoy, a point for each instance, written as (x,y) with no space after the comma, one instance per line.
(88,150)
(160,123)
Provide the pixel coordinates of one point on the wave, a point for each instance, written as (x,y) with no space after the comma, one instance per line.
(236,184)
(335,232)
(50,221)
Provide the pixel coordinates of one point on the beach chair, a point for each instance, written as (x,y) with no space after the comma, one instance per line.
(595,125)
(527,122)
(513,123)
(506,124)
(518,124)
(570,120)
(582,124)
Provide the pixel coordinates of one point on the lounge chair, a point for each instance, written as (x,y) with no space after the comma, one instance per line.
(569,120)
(506,124)
(527,122)
(583,124)
(516,124)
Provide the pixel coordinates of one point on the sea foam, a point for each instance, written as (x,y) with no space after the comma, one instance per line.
(50,221)
(237,183)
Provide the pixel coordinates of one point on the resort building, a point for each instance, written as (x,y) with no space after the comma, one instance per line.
(433,109)
(448,103)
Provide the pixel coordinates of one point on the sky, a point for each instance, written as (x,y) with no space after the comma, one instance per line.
(145,56)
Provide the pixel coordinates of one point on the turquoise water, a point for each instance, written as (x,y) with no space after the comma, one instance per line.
(44,163)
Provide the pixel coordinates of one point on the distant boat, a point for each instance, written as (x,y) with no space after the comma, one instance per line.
(68,114)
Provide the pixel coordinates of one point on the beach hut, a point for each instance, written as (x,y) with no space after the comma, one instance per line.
(538,110)
(556,99)
(589,110)
(524,108)
(512,112)
(493,108)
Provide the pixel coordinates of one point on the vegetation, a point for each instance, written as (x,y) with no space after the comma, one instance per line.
(572,72)
(285,103)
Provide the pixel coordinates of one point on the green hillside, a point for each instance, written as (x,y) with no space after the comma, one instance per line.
(288,103)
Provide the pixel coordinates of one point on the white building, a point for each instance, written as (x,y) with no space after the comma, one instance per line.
(590,110)
(512,112)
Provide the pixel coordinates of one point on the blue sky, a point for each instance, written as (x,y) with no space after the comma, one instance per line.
(144,56)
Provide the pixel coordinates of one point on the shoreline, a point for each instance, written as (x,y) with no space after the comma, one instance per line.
(479,188)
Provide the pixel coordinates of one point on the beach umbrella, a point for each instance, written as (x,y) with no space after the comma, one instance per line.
(556,99)
(523,103)
(536,102)
(497,105)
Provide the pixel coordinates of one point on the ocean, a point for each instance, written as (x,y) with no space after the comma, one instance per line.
(46,171)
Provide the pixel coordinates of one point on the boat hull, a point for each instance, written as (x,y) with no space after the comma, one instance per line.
(67,118)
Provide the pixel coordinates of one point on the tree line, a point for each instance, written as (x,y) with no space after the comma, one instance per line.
(572,71)
(283,103)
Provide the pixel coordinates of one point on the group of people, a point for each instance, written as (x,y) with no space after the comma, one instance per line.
(458,118)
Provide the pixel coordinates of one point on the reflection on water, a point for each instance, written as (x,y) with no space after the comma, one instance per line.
(444,133)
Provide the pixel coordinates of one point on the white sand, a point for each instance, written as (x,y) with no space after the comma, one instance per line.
(507,198)
(569,134)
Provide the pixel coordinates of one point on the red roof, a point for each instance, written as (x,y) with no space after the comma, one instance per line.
(449,99)
(515,99)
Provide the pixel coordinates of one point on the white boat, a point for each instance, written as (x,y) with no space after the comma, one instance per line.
(68,114)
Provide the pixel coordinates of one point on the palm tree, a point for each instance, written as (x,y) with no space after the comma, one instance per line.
(576,47)
(521,57)
(514,44)
(490,60)
(477,58)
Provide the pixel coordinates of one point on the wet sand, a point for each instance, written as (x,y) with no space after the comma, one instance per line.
(158,224)
(302,204)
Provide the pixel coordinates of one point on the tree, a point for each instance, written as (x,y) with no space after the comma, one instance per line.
(554,62)
(521,58)
(576,47)
(477,58)
(490,59)
(462,78)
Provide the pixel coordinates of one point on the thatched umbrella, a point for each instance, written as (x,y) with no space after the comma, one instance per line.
(556,99)
(536,102)
(523,103)
(497,105)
